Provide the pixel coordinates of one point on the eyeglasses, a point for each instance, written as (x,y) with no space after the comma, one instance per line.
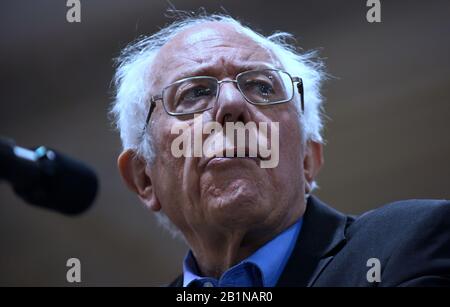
(198,94)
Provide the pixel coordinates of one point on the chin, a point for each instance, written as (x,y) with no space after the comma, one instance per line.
(235,199)
(237,210)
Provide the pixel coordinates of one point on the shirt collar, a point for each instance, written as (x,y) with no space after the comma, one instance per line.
(271,258)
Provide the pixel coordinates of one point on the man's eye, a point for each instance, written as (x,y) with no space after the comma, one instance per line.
(260,87)
(195,93)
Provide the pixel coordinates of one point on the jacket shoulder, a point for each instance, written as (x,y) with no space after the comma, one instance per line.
(412,240)
(404,216)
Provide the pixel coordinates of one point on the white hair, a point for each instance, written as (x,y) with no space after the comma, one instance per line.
(134,75)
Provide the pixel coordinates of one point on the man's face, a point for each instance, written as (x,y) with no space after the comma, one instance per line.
(225,194)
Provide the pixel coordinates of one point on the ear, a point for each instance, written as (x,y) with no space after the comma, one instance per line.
(312,163)
(136,175)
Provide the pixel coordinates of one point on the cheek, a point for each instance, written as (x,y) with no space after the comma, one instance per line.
(291,139)
(167,174)
(168,168)
(291,148)
(176,175)
(290,136)
(163,138)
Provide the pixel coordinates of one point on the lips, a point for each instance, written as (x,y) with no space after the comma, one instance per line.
(217,159)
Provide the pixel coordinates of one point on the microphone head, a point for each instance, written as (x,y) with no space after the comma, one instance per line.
(59,183)
(74,186)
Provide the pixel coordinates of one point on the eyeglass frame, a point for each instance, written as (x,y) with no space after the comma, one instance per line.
(155,98)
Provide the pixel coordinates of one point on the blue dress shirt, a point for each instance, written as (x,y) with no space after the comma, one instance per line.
(262,269)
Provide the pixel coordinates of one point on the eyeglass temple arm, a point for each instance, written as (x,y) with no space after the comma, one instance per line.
(153,100)
(300,91)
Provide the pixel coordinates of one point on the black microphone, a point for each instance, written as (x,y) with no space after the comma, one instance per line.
(46,178)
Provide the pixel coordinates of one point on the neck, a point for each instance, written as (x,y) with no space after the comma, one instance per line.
(218,251)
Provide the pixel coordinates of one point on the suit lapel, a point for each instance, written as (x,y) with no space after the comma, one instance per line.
(321,237)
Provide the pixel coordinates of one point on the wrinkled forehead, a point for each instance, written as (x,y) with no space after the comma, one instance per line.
(216,49)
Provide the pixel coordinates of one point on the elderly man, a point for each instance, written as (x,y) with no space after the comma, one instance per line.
(245,224)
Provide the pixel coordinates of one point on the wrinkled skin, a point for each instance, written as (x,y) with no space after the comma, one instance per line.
(227,208)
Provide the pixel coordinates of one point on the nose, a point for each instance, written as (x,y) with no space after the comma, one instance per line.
(231,105)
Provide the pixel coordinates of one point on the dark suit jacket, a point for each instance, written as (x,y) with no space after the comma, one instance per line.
(411,240)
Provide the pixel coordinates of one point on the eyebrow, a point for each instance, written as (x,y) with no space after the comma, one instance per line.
(207,70)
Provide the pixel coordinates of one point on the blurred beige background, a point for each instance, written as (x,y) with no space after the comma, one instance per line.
(387,136)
